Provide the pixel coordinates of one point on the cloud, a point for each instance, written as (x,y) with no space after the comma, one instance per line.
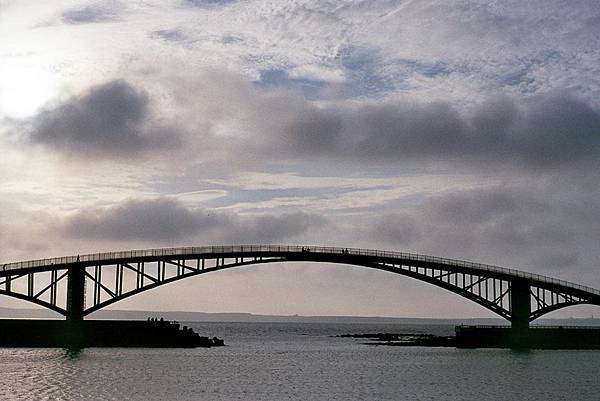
(396,132)
(167,219)
(93,13)
(399,230)
(108,120)
(170,35)
(555,131)
(207,3)
(543,133)
(536,227)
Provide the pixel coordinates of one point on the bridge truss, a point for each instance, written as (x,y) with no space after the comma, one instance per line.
(92,282)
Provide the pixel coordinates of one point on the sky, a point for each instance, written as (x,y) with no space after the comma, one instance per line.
(461,129)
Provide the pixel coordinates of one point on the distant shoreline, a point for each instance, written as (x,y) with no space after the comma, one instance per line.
(17,313)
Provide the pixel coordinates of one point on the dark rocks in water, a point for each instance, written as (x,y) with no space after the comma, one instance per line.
(190,338)
(379,336)
(217,342)
(535,337)
(404,339)
(101,333)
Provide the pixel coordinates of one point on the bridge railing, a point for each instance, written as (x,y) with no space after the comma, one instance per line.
(231,249)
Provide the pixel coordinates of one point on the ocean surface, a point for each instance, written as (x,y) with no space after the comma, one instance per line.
(283,361)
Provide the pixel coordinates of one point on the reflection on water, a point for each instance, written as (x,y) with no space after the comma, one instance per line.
(298,362)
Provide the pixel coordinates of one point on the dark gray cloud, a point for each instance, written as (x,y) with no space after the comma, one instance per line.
(399,230)
(397,132)
(105,11)
(207,3)
(166,219)
(555,131)
(314,132)
(543,133)
(481,206)
(171,35)
(109,120)
(141,220)
(271,228)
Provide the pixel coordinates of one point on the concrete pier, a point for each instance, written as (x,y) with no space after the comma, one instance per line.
(534,337)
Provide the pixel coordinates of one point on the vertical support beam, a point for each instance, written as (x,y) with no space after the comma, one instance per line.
(98,290)
(520,304)
(138,276)
(96,285)
(75,293)
(53,280)
(30,285)
(120,288)
(118,278)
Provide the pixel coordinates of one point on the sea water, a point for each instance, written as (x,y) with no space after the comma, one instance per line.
(283,361)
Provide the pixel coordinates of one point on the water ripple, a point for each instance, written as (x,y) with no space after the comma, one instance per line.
(296,362)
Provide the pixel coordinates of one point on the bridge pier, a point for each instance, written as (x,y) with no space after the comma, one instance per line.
(75,293)
(520,304)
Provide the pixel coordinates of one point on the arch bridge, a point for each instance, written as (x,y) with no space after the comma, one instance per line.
(106,278)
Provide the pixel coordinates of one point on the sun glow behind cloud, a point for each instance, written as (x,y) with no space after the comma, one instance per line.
(25,86)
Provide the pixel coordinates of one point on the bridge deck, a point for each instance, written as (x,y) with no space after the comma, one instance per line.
(90,259)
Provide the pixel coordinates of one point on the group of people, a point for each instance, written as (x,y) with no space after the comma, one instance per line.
(154,320)
(306,249)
